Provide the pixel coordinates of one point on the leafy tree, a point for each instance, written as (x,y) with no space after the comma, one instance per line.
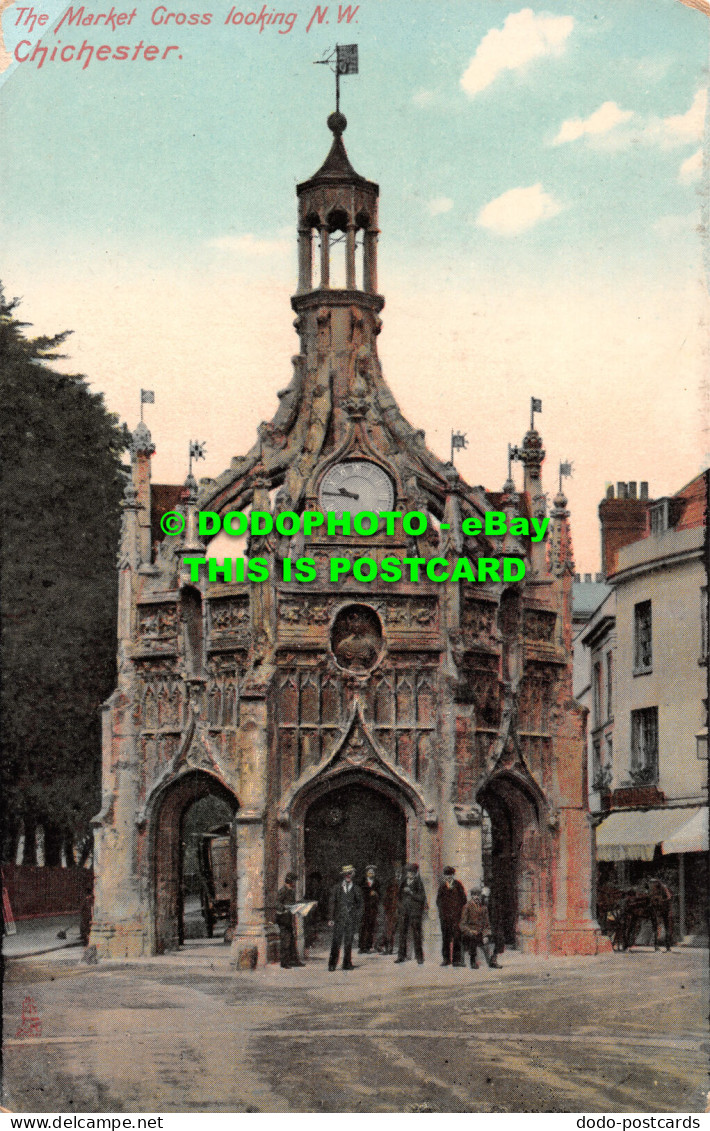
(60,515)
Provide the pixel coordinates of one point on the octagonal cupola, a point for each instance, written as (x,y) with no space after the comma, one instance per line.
(337,208)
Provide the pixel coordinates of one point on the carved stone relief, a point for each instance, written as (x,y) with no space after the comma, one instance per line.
(157,622)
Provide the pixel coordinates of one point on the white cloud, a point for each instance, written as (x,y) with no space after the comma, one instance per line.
(606,118)
(609,127)
(440,204)
(252,246)
(523,37)
(518,210)
(691,168)
(682,128)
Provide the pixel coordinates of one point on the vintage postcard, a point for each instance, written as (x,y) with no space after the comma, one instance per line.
(355,597)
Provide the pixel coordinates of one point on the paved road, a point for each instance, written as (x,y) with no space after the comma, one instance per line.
(188,1033)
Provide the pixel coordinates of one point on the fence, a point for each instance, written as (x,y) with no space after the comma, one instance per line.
(37,891)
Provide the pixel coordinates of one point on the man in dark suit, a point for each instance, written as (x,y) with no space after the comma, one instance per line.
(284,920)
(345,916)
(371,907)
(450,900)
(412,900)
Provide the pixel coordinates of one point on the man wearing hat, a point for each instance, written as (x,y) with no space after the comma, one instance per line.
(450,900)
(476,928)
(412,900)
(345,916)
(370,909)
(284,921)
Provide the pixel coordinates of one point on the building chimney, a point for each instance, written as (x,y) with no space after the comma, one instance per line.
(623,520)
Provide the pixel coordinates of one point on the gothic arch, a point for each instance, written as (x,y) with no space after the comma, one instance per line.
(353,786)
(168,808)
(521,895)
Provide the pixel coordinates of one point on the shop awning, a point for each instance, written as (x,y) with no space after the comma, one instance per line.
(690,837)
(633,835)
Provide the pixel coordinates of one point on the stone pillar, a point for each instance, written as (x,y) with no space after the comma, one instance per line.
(252,913)
(305,260)
(369,282)
(573,928)
(465,847)
(118,928)
(142,449)
(250,934)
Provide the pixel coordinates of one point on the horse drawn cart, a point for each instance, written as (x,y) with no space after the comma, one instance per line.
(215,868)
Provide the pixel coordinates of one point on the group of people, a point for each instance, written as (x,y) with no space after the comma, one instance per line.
(362,910)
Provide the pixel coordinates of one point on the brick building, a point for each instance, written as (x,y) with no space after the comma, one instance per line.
(343,721)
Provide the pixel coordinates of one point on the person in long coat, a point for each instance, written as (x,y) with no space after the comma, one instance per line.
(345,916)
(412,901)
(285,899)
(476,929)
(370,910)
(450,900)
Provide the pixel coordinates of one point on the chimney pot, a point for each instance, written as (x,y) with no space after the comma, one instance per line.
(621,490)
(587,577)
(610,491)
(599,577)
(644,491)
(577,577)
(632,489)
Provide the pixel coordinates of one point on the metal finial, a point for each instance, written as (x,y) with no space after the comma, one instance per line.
(342,61)
(458,440)
(198,449)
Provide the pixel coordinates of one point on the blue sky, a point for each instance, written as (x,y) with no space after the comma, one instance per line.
(540,173)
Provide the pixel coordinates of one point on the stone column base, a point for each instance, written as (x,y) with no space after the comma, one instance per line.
(249,947)
(584,939)
(118,940)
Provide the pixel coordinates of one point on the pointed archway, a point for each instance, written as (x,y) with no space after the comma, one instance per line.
(517,872)
(168,842)
(354,822)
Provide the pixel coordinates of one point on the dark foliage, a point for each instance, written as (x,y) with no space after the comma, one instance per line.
(60,515)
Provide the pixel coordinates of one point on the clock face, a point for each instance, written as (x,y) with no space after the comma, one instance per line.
(354,486)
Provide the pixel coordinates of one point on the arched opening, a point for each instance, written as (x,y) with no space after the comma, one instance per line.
(354,824)
(338,251)
(362,223)
(195,861)
(515,863)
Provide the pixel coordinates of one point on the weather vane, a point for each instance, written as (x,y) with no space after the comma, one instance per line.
(147,397)
(566,469)
(514,452)
(458,440)
(198,450)
(342,61)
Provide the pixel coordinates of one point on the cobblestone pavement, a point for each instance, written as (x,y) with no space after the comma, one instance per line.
(186,1032)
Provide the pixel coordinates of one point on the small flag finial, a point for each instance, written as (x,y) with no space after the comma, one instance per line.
(566,469)
(198,449)
(342,61)
(458,440)
(147,397)
(535,406)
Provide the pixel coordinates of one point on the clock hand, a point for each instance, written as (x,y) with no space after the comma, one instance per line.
(342,493)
